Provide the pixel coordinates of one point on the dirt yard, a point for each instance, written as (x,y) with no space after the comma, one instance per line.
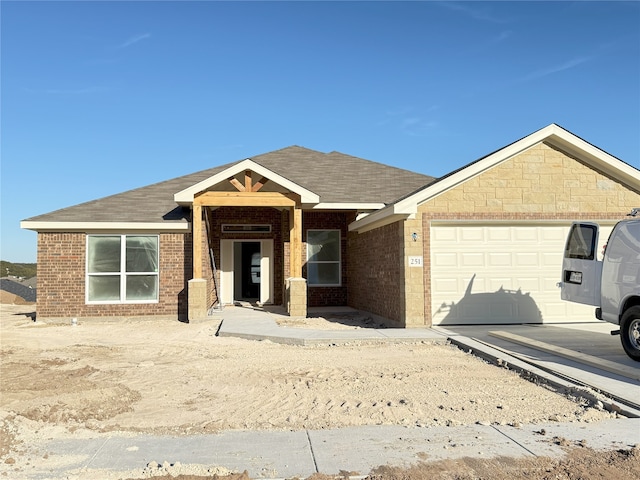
(166,377)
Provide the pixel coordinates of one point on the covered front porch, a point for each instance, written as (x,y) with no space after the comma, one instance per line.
(258,236)
(247,245)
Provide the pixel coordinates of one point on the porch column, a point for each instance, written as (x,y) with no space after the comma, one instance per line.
(197,289)
(295,242)
(296,286)
(196,223)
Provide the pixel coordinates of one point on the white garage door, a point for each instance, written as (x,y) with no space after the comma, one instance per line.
(501,273)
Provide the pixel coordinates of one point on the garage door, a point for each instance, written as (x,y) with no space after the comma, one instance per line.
(498,273)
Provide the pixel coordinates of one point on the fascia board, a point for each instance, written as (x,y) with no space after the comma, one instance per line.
(371,222)
(595,157)
(377,219)
(349,206)
(103,226)
(410,204)
(185,197)
(552,134)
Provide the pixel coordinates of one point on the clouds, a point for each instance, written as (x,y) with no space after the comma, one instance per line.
(134,39)
(544,72)
(411,122)
(417,126)
(114,59)
(502,36)
(477,11)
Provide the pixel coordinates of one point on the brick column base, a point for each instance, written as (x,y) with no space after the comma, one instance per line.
(296,297)
(197,302)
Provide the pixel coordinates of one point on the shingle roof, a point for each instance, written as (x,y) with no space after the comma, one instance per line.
(334,176)
(19,289)
(337,177)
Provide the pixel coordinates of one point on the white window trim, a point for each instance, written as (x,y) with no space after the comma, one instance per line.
(122,274)
(339,261)
(245,228)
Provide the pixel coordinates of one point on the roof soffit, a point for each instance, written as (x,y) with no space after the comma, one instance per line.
(185,197)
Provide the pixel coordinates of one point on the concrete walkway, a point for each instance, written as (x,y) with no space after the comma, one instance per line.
(300,454)
(281,454)
(257,324)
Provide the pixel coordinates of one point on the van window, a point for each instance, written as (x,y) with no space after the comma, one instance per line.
(582,242)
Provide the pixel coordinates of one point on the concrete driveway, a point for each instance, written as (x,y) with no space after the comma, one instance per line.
(585,354)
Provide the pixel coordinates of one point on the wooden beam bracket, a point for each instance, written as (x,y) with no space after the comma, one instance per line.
(246,199)
(234,181)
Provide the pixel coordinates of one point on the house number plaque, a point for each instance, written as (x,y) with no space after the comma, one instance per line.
(415,261)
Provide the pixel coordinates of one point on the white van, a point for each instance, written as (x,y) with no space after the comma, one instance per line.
(613,284)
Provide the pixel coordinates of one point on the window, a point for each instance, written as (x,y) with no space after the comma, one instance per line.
(323,258)
(581,243)
(122,268)
(244,228)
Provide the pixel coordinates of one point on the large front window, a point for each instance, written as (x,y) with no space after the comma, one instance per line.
(323,257)
(122,268)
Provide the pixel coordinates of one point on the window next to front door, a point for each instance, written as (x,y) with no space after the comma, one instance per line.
(122,268)
(323,258)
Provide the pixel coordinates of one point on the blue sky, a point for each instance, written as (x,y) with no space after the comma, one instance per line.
(102,97)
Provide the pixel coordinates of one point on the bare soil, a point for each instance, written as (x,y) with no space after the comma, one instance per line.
(164,377)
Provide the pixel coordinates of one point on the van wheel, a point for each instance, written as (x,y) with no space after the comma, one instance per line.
(630,332)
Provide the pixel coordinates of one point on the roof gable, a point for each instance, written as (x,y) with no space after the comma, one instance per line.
(185,197)
(552,134)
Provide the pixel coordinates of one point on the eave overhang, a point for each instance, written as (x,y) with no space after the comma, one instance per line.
(380,218)
(104,226)
(359,207)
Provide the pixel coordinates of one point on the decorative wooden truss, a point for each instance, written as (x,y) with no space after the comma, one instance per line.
(249,195)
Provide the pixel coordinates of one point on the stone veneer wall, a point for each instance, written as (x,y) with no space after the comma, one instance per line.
(413,275)
(61,280)
(376,274)
(539,180)
(541,184)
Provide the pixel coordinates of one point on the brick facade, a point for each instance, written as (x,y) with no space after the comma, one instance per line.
(62,266)
(326,296)
(61,280)
(279,221)
(376,272)
(540,184)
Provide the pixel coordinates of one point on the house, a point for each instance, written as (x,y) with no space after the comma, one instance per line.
(23,290)
(302,228)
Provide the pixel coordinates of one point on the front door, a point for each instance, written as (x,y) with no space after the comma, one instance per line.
(246,271)
(246,257)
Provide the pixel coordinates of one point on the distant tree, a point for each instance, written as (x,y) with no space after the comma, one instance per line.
(25,270)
